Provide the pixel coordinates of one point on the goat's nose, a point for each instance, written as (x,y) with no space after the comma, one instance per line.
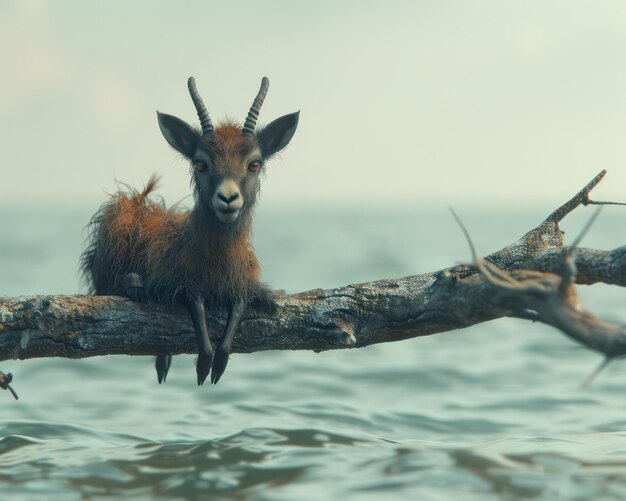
(229,199)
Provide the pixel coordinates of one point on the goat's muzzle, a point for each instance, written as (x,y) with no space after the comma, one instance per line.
(227,201)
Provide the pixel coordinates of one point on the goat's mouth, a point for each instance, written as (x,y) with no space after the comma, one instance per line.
(227,215)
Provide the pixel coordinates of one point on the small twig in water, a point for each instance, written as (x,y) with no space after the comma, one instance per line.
(5,380)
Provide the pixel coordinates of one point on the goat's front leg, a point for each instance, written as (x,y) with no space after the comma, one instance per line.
(205,350)
(223,348)
(134,289)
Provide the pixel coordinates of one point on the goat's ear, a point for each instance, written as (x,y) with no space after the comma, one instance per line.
(179,134)
(276,135)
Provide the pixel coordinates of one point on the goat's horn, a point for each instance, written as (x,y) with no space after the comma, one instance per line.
(203,114)
(253,114)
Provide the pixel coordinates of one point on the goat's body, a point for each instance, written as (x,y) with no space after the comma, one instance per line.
(200,258)
(180,255)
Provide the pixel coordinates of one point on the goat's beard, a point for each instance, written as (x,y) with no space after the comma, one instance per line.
(227,217)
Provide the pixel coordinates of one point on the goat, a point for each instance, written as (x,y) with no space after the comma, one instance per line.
(203,258)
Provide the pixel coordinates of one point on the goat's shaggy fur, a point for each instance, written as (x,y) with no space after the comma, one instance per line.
(175,252)
(180,255)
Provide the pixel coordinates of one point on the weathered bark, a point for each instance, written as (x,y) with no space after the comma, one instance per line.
(346,317)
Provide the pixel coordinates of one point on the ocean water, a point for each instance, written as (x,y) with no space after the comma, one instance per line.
(495,411)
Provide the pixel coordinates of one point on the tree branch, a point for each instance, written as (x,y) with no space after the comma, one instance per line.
(519,280)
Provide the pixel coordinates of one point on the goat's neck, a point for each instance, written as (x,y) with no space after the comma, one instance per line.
(208,233)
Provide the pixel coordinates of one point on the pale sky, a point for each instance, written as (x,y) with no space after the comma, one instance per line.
(403,102)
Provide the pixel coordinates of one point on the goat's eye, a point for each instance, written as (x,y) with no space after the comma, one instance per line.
(200,166)
(254,166)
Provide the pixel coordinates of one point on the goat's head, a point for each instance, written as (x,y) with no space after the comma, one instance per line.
(226,161)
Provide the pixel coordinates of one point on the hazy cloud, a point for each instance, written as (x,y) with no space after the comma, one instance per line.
(30,56)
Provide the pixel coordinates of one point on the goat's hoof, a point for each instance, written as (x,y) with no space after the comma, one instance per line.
(219,363)
(203,367)
(133,286)
(162,366)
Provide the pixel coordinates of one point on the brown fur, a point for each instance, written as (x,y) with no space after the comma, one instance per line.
(228,146)
(178,254)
